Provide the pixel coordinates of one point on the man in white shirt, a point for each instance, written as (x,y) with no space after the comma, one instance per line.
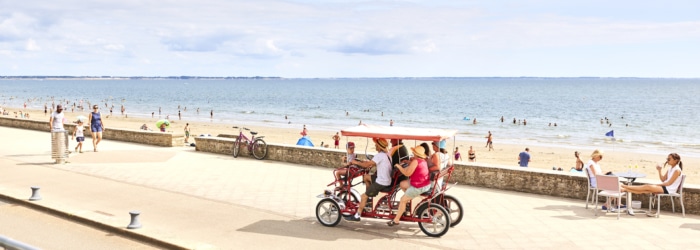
(383,178)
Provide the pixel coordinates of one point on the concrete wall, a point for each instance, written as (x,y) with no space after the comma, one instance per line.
(528,180)
(128,135)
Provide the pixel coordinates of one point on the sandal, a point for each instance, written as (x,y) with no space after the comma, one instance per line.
(392,223)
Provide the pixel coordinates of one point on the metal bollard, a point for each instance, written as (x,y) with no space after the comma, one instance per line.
(134,224)
(35,194)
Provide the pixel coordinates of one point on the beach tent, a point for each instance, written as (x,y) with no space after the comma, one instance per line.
(305,141)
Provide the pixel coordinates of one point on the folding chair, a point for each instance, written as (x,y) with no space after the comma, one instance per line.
(673,206)
(591,189)
(609,187)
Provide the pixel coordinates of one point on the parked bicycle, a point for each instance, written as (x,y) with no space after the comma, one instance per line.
(256,145)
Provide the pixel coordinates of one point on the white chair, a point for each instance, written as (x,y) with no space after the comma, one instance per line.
(673,206)
(591,189)
(609,187)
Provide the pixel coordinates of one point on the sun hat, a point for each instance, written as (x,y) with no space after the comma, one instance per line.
(350,145)
(419,152)
(381,142)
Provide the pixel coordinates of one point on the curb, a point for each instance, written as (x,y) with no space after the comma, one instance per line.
(95,224)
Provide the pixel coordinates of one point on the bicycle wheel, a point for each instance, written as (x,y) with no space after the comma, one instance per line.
(259,149)
(236,148)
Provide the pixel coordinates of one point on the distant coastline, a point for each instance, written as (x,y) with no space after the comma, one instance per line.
(138,78)
(312,78)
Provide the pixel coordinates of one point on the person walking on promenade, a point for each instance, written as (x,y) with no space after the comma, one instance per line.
(97,126)
(489,141)
(524,157)
(56,123)
(336,140)
(79,136)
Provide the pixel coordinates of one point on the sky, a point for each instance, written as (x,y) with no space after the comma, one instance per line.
(344,38)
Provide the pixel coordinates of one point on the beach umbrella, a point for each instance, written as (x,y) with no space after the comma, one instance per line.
(81,118)
(163,121)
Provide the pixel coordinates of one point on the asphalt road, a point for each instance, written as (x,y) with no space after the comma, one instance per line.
(49,232)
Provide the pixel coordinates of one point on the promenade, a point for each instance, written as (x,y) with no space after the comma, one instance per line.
(197,200)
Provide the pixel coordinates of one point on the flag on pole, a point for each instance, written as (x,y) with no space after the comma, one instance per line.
(611,133)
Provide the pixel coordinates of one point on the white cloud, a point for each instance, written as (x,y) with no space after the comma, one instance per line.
(300,37)
(32,45)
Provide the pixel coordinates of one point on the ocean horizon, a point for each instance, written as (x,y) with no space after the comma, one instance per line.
(646,114)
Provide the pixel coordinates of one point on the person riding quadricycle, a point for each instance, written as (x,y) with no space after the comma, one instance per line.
(423,200)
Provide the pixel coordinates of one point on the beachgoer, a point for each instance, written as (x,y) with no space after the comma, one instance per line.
(162,127)
(347,159)
(418,183)
(79,136)
(458,156)
(144,127)
(187,132)
(381,180)
(360,122)
(501,119)
(304,132)
(579,162)
(45,110)
(472,154)
(670,181)
(97,126)
(514,120)
(179,115)
(211,114)
(593,168)
(489,141)
(152,114)
(336,140)
(391,123)
(159,111)
(524,122)
(524,157)
(474,121)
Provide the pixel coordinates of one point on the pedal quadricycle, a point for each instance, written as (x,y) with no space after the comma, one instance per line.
(434,211)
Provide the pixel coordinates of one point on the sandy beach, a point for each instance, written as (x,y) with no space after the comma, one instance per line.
(543,157)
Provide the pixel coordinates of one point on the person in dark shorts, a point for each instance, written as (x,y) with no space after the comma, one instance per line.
(381,180)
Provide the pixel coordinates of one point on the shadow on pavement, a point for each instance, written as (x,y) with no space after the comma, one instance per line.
(308,230)
(580,214)
(694,226)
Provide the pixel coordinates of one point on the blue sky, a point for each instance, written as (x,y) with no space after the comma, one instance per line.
(336,38)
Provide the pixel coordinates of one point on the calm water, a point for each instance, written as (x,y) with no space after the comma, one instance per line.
(656,115)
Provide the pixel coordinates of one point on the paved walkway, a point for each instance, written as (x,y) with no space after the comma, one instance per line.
(208,201)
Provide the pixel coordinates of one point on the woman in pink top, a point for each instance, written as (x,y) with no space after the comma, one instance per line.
(418,183)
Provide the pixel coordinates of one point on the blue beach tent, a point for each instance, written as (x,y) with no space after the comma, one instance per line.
(305,141)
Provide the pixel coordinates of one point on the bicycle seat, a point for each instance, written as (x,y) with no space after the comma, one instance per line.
(253,133)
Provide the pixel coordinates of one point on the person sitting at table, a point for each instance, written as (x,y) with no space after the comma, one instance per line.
(594,169)
(669,181)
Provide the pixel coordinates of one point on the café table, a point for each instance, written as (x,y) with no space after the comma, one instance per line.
(631,176)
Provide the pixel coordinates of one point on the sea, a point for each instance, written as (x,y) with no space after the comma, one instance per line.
(644,114)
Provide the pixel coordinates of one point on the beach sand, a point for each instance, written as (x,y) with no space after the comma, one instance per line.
(543,157)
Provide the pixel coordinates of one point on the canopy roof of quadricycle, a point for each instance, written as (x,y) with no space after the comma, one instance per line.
(420,134)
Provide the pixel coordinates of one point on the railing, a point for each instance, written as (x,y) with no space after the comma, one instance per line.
(11,244)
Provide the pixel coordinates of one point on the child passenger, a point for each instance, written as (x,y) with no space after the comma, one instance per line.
(342,171)
(79,136)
